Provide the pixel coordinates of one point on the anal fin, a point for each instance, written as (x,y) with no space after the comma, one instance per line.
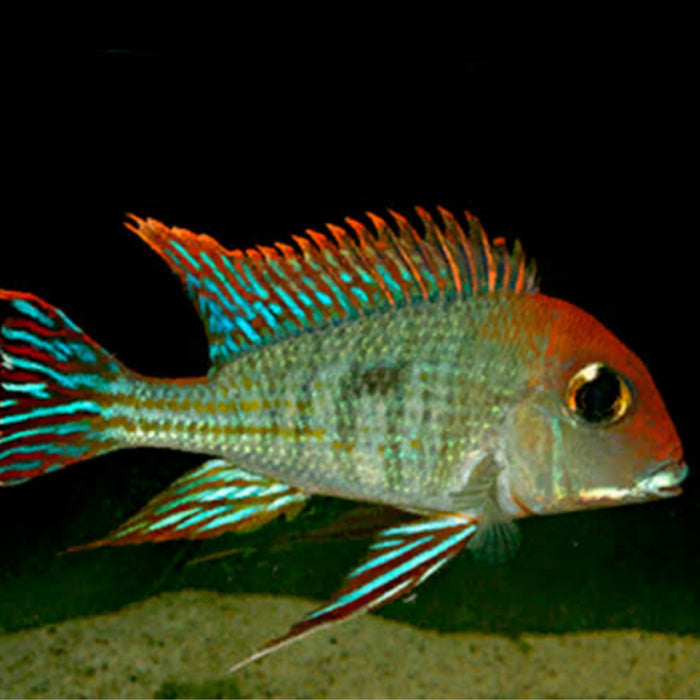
(214,498)
(401,559)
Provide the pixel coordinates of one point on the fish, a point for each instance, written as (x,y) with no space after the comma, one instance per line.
(424,374)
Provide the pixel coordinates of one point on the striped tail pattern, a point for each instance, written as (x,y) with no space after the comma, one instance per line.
(54,388)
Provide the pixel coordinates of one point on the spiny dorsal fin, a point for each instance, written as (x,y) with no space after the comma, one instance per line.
(254,297)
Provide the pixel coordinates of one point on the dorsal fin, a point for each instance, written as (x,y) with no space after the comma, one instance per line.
(250,298)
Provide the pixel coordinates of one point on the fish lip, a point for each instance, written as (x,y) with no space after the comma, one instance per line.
(665,479)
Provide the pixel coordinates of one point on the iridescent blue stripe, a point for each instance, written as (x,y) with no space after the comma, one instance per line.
(55,428)
(242,306)
(352,596)
(185,254)
(360,294)
(23,466)
(391,283)
(36,389)
(160,524)
(243,513)
(202,514)
(424,525)
(52,447)
(245,284)
(292,305)
(324,299)
(59,409)
(262,310)
(341,296)
(55,348)
(237,493)
(30,310)
(233,517)
(83,352)
(259,289)
(63,379)
(383,544)
(378,561)
(249,331)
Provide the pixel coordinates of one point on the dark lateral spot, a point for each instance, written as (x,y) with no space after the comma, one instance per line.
(378,381)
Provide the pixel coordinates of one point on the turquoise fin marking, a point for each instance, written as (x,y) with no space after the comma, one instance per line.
(252,298)
(55,387)
(401,559)
(206,502)
(361,522)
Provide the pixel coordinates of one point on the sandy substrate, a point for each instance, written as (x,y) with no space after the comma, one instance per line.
(180,645)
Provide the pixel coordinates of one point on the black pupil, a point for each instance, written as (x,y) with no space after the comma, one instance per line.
(596,400)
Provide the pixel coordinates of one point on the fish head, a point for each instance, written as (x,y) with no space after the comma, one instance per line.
(592,429)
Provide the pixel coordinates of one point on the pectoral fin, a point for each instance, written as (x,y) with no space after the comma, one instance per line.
(216,497)
(401,559)
(498,537)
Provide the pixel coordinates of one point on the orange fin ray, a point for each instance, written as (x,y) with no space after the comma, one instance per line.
(259,296)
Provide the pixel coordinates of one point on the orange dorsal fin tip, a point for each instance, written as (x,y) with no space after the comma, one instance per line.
(268,252)
(318,238)
(429,232)
(209,241)
(253,254)
(304,245)
(286,250)
(338,233)
(377,221)
(380,225)
(264,294)
(452,225)
(136,219)
(400,219)
(363,235)
(423,214)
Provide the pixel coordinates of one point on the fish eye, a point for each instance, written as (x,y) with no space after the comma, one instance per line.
(599,395)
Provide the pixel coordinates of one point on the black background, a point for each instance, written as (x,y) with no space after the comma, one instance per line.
(594,166)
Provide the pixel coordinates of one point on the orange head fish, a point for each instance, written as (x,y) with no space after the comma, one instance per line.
(593,429)
(426,373)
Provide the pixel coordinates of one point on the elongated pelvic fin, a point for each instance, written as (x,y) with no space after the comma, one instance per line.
(55,390)
(401,559)
(362,522)
(206,502)
(251,298)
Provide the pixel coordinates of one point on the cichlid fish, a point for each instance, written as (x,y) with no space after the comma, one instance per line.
(425,373)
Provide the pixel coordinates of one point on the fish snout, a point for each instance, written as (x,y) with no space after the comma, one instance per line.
(665,479)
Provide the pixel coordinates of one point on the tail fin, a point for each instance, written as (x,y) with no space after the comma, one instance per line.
(54,388)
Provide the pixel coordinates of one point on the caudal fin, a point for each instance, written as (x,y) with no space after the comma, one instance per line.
(54,388)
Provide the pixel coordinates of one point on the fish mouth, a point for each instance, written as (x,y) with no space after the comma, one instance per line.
(665,479)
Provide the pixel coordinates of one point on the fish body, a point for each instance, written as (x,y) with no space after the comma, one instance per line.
(386,410)
(428,374)
(382,410)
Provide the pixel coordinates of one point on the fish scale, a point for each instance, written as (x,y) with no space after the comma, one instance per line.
(425,373)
